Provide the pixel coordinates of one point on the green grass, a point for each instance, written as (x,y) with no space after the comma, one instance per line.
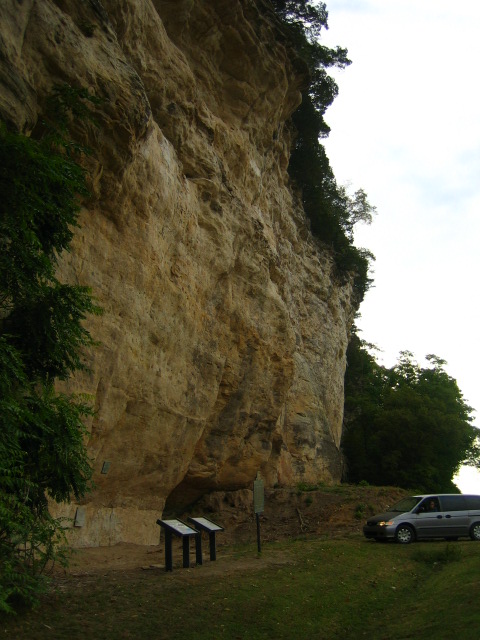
(344,588)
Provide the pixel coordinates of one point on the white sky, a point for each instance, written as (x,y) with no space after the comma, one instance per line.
(406,128)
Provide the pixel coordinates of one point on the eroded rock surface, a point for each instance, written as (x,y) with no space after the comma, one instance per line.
(223,338)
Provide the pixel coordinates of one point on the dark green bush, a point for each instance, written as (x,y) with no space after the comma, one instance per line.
(42,452)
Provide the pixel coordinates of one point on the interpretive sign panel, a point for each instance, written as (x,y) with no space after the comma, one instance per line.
(205,524)
(211,528)
(182,530)
(258,496)
(177,527)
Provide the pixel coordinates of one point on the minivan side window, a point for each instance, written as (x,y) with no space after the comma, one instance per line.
(428,505)
(453,503)
(473,502)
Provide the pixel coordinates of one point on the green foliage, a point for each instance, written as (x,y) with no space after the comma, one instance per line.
(304,22)
(332,212)
(66,106)
(406,426)
(42,452)
(306,486)
(360,511)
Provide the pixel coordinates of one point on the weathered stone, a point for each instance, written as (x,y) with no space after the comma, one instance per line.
(223,338)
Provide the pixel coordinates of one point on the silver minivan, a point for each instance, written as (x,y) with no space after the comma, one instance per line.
(446,516)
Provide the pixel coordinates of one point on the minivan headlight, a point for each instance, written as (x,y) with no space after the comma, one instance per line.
(385,523)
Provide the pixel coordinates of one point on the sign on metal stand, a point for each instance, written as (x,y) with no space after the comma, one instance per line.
(204,524)
(258,505)
(183,531)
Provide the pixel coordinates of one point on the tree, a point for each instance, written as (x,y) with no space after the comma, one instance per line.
(408,425)
(42,452)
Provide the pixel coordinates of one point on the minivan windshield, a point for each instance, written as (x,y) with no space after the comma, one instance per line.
(407,504)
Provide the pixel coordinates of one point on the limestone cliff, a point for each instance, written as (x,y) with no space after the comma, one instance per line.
(223,339)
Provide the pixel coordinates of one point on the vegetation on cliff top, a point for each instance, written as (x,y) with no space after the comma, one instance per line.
(42,453)
(331,210)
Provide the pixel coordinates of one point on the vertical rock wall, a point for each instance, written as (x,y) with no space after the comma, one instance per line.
(223,339)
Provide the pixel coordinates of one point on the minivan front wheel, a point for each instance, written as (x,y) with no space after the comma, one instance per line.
(405,534)
(475,531)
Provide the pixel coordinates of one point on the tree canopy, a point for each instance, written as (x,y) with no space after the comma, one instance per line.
(42,452)
(408,425)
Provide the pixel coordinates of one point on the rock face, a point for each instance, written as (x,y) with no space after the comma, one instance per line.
(223,338)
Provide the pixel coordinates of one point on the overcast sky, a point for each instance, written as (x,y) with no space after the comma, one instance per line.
(406,128)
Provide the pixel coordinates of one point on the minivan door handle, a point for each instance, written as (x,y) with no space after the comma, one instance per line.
(439,517)
(449,516)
